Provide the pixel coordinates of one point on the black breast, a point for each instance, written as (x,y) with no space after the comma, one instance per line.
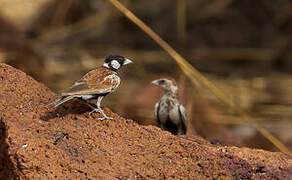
(171,127)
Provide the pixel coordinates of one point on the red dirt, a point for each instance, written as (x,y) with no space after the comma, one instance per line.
(66,143)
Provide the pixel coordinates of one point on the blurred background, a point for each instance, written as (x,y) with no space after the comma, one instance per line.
(243,47)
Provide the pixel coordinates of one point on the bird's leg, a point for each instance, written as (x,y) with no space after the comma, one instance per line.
(88,104)
(99,110)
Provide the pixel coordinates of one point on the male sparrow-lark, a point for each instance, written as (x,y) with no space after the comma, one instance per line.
(96,84)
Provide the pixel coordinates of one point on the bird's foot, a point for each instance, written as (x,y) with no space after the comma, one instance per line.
(95,110)
(102,113)
(105,117)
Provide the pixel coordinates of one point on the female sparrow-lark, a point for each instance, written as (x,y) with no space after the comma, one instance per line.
(169,113)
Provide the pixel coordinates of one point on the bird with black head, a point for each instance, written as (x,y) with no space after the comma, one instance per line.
(96,84)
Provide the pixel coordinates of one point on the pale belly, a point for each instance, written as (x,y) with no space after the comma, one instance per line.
(166,113)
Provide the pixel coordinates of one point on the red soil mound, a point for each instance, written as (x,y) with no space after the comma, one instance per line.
(66,143)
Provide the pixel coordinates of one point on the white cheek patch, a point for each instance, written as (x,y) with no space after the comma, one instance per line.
(115,64)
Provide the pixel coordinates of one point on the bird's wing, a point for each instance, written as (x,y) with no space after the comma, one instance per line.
(99,81)
(182,112)
(82,88)
(156,112)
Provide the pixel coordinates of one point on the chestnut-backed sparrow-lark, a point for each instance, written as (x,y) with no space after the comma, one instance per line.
(96,84)
(169,113)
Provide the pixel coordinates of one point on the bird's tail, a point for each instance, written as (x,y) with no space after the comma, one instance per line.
(60,101)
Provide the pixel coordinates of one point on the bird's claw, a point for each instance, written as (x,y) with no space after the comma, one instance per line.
(94,110)
(102,113)
(101,119)
(105,117)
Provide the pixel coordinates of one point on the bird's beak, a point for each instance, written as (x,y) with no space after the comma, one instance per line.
(127,61)
(155,82)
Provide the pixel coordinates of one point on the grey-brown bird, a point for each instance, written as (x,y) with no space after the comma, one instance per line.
(169,113)
(96,84)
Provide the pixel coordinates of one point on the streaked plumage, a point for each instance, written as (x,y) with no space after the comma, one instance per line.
(96,84)
(169,113)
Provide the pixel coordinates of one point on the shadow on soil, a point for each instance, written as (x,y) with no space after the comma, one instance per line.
(7,169)
(72,107)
